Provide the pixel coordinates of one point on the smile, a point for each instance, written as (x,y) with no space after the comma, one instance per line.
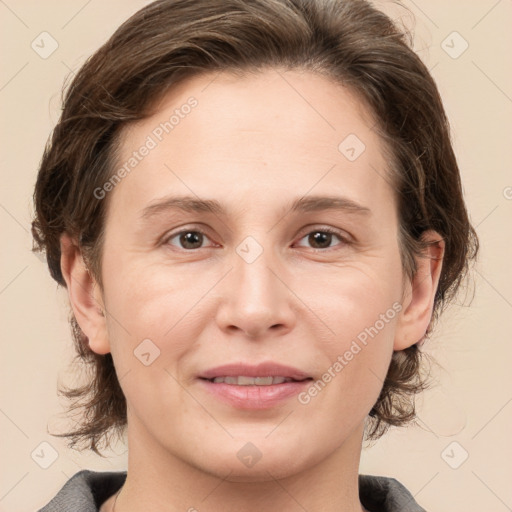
(243,380)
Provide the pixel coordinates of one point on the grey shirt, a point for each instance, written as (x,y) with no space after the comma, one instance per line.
(87,490)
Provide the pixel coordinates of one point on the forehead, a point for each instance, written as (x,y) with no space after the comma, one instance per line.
(270,130)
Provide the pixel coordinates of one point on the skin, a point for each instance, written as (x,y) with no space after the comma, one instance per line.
(254,144)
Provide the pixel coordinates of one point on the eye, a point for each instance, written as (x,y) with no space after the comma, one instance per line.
(322,238)
(189,239)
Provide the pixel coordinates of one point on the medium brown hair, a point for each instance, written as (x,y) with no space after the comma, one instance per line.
(168,41)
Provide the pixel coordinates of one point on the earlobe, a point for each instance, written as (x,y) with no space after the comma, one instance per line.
(84,295)
(418,301)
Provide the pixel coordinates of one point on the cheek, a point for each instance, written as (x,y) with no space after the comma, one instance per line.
(361,308)
(152,298)
(340,399)
(358,359)
(353,298)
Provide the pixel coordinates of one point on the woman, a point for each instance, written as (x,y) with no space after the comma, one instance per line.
(257,213)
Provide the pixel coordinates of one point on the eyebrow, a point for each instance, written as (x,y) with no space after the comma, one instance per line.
(300,205)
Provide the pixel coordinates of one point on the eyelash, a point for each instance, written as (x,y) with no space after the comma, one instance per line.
(344,239)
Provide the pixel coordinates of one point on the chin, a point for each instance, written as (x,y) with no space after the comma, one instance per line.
(254,461)
(262,471)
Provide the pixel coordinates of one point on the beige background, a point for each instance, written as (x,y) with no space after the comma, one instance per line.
(471,407)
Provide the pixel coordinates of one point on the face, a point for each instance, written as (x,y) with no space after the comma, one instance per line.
(269,273)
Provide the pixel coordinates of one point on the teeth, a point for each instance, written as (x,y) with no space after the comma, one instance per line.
(242,380)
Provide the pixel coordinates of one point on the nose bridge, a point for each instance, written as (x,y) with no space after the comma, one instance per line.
(255,281)
(256,299)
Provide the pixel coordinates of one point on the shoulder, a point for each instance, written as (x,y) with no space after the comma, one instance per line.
(383,494)
(86,491)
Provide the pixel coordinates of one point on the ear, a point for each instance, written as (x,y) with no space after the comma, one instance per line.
(84,295)
(419,293)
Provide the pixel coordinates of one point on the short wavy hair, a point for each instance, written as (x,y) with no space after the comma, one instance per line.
(347,41)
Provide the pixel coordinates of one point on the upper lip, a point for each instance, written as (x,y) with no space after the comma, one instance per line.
(265,369)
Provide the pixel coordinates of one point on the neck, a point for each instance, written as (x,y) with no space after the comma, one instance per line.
(160,480)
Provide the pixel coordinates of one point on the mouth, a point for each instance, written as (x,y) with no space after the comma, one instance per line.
(245,380)
(246,374)
(255,387)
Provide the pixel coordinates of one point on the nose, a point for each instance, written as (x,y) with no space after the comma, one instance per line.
(256,300)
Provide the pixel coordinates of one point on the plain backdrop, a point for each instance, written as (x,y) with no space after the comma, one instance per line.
(458,457)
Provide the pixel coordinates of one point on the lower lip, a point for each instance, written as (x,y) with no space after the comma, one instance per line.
(254,397)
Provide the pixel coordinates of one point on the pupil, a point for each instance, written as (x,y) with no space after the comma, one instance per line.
(190,238)
(320,238)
